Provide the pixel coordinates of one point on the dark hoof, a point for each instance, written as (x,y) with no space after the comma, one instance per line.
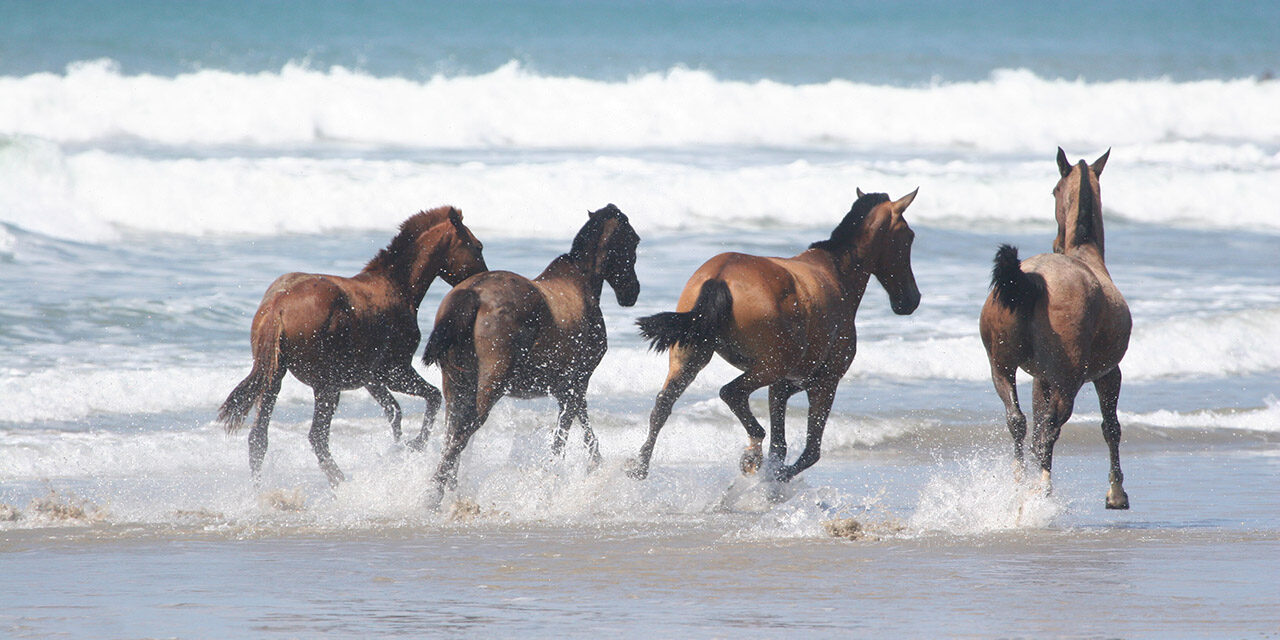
(636,470)
(417,444)
(1120,502)
(751,460)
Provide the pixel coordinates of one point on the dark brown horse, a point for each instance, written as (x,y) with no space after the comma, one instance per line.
(336,333)
(787,323)
(500,333)
(1059,317)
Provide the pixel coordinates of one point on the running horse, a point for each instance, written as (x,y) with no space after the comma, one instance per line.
(335,334)
(787,323)
(499,333)
(1059,317)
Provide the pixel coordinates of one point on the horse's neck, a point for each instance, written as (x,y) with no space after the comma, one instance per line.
(408,284)
(1090,254)
(845,269)
(566,272)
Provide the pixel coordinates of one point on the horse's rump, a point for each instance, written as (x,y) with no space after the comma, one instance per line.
(455,324)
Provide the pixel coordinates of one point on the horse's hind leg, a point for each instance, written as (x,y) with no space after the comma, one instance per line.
(326,404)
(736,394)
(1108,388)
(1051,407)
(1005,381)
(389,406)
(258,434)
(684,365)
(779,393)
(406,380)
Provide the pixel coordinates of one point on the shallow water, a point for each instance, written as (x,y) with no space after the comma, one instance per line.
(161,164)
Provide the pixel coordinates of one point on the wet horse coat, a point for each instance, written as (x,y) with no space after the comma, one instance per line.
(787,323)
(500,333)
(1059,317)
(335,333)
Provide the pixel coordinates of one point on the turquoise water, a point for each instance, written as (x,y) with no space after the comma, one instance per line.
(903,43)
(162,163)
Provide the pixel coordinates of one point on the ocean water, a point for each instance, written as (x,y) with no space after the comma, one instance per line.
(161,163)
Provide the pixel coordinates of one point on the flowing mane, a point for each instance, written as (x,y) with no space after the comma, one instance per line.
(588,238)
(397,257)
(847,230)
(1087,210)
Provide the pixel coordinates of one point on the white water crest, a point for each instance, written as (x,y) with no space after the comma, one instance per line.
(1011,111)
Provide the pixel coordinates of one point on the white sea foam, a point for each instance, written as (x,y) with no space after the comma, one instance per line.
(982,496)
(1011,111)
(1236,343)
(93,150)
(90,195)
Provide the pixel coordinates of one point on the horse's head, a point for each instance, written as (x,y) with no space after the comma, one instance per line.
(886,251)
(608,243)
(463,252)
(1078,203)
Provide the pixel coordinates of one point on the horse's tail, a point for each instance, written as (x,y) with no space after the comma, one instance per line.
(266,369)
(455,324)
(697,326)
(1014,289)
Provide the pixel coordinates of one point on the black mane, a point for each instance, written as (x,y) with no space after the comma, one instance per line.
(585,243)
(844,233)
(1085,232)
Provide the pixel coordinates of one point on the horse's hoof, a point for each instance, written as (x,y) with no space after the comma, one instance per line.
(751,460)
(637,470)
(1117,499)
(417,444)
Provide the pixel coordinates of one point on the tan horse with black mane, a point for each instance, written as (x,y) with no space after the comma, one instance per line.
(1059,317)
(336,334)
(499,333)
(787,323)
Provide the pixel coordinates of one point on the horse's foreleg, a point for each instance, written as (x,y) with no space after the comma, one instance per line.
(573,405)
(566,415)
(258,434)
(1108,388)
(685,363)
(389,406)
(779,393)
(821,396)
(406,380)
(589,438)
(1005,381)
(326,404)
(736,394)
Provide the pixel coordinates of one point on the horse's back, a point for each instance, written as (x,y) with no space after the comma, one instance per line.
(1082,319)
(786,313)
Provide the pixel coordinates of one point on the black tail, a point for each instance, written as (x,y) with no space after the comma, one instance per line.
(455,325)
(697,326)
(1015,289)
(253,389)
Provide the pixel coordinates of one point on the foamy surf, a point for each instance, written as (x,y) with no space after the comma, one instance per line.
(512,107)
(983,495)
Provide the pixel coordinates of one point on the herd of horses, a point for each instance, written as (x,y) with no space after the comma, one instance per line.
(786,323)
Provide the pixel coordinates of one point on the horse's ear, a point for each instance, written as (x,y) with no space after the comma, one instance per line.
(860,193)
(902,203)
(1100,163)
(455,216)
(1064,165)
